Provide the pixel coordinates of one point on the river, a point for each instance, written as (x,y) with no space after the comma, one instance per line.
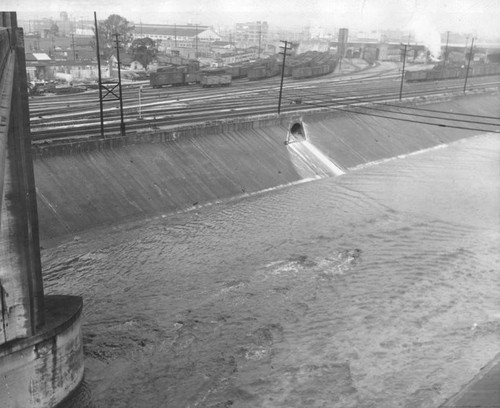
(376,288)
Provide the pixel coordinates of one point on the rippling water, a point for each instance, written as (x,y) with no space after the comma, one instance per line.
(378,288)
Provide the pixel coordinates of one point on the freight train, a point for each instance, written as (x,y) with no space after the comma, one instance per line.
(177,78)
(307,65)
(314,71)
(452,72)
(187,75)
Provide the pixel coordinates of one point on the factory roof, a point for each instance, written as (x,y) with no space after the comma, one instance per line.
(37,56)
(170,30)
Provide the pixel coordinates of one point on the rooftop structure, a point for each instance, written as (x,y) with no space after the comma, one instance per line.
(176,32)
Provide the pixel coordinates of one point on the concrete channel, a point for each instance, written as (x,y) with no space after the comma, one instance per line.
(95,183)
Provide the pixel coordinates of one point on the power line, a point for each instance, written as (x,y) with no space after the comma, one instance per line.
(400,119)
(416,114)
(445,112)
(416,121)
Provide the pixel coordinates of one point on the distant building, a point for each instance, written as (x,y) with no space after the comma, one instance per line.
(40,67)
(64,24)
(126,62)
(62,48)
(176,36)
(368,36)
(251,34)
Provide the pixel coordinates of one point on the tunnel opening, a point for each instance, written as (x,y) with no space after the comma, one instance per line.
(296,133)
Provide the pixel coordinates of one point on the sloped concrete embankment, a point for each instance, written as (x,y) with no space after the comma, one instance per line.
(352,139)
(94,183)
(90,184)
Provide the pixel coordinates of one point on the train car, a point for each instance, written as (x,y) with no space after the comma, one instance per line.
(256,73)
(208,81)
(484,69)
(444,73)
(313,71)
(192,78)
(236,71)
(439,72)
(414,76)
(193,66)
(300,73)
(243,71)
(159,79)
(261,72)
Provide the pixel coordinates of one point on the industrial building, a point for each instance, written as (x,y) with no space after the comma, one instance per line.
(251,34)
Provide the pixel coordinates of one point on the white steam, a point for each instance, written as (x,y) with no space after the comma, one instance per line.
(426,34)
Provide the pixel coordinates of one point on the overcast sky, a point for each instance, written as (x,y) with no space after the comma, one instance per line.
(480,17)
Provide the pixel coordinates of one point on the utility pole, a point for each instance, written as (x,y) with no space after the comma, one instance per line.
(175,35)
(260,36)
(196,42)
(122,123)
(140,109)
(109,88)
(99,73)
(73,44)
(282,75)
(446,49)
(403,73)
(468,64)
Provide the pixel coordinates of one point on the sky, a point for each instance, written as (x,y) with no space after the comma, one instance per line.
(477,17)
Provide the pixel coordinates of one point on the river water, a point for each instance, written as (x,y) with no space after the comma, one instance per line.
(377,288)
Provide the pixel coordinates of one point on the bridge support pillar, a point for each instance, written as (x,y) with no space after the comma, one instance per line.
(41,354)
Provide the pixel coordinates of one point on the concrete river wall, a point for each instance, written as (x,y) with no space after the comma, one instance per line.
(87,184)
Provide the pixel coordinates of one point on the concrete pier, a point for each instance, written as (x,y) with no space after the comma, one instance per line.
(41,359)
(41,370)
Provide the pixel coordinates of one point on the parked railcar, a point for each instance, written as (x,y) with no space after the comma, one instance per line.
(413,76)
(313,71)
(192,78)
(261,72)
(452,72)
(236,71)
(208,81)
(159,79)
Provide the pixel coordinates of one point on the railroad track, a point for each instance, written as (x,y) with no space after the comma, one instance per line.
(78,117)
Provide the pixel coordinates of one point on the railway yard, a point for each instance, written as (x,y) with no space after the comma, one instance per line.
(356,89)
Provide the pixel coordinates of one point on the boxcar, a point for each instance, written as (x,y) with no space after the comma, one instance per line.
(256,73)
(192,78)
(412,76)
(215,80)
(159,79)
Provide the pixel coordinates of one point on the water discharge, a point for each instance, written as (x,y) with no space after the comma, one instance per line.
(336,170)
(302,148)
(375,289)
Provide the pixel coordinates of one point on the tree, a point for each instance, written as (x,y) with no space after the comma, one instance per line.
(54,29)
(143,50)
(114,24)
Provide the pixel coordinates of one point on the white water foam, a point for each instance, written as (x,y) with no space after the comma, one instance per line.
(323,158)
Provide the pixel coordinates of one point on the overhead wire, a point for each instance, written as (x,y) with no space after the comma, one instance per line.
(395,118)
(445,112)
(411,114)
(435,111)
(425,116)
